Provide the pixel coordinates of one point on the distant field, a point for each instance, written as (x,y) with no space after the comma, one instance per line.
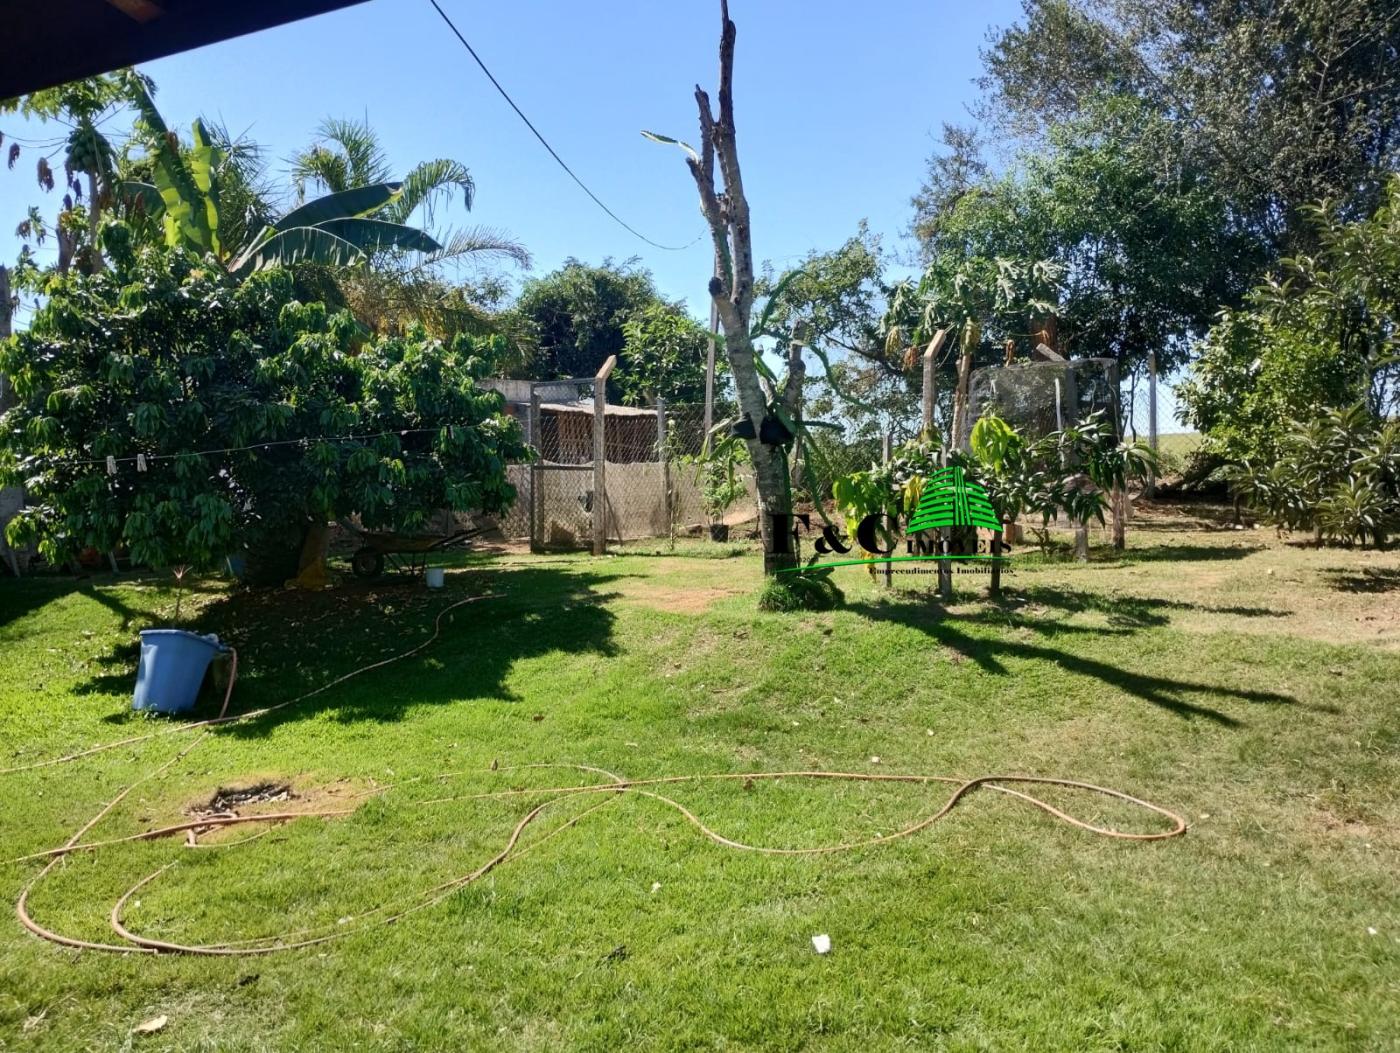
(1175,448)
(1179,443)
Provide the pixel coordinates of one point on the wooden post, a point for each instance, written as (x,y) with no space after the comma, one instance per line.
(1070,396)
(532,436)
(600,457)
(792,401)
(996,563)
(945,569)
(886,452)
(930,392)
(969,338)
(1152,440)
(663,455)
(1119,499)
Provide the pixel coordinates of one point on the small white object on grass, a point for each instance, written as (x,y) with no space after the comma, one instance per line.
(821,943)
(151,1026)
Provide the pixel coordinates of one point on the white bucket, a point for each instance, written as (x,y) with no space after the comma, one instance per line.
(435,577)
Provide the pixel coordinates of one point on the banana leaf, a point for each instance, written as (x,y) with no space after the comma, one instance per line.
(337,243)
(348,204)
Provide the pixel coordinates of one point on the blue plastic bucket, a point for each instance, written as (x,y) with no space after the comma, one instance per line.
(173,664)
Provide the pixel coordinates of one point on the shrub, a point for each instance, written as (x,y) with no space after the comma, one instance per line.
(1338,476)
(237,397)
(799,592)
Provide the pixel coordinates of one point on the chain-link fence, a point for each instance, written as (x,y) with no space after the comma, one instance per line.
(1152,414)
(656,480)
(656,483)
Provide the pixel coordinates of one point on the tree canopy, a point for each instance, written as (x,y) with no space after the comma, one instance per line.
(570,321)
(1284,102)
(1322,334)
(253,415)
(1167,154)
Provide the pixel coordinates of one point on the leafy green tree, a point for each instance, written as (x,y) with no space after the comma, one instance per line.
(237,398)
(663,354)
(1283,104)
(1322,334)
(89,165)
(335,230)
(834,302)
(1146,264)
(981,301)
(1337,475)
(571,320)
(348,154)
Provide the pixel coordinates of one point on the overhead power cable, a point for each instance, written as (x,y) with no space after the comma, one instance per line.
(545,142)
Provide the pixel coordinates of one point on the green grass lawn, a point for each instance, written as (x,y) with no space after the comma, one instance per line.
(1243,682)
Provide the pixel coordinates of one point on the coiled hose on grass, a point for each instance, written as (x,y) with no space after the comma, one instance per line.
(388,913)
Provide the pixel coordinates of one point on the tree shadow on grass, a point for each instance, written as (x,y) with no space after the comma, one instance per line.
(290,643)
(990,652)
(1368,579)
(1136,612)
(22,597)
(1186,553)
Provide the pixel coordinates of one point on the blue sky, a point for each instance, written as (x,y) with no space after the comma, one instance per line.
(838,106)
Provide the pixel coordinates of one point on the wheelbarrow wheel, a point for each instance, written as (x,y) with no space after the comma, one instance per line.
(367,563)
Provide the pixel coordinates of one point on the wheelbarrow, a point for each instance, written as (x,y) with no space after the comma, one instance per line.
(406,553)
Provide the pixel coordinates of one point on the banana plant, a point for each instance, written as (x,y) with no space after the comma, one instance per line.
(336,230)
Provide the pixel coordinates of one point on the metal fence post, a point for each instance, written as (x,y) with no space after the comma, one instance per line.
(664,456)
(600,457)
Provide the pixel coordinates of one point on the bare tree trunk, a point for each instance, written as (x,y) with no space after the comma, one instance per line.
(930,391)
(970,336)
(95,261)
(67,246)
(732,291)
(792,402)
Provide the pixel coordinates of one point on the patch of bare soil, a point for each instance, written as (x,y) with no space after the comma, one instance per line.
(695,600)
(271,794)
(228,798)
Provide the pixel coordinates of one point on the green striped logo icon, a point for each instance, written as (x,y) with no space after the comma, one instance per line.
(949,500)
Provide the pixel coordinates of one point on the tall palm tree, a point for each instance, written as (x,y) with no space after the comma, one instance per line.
(347,153)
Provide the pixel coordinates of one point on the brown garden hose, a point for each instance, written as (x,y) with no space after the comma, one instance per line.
(613,789)
(137,943)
